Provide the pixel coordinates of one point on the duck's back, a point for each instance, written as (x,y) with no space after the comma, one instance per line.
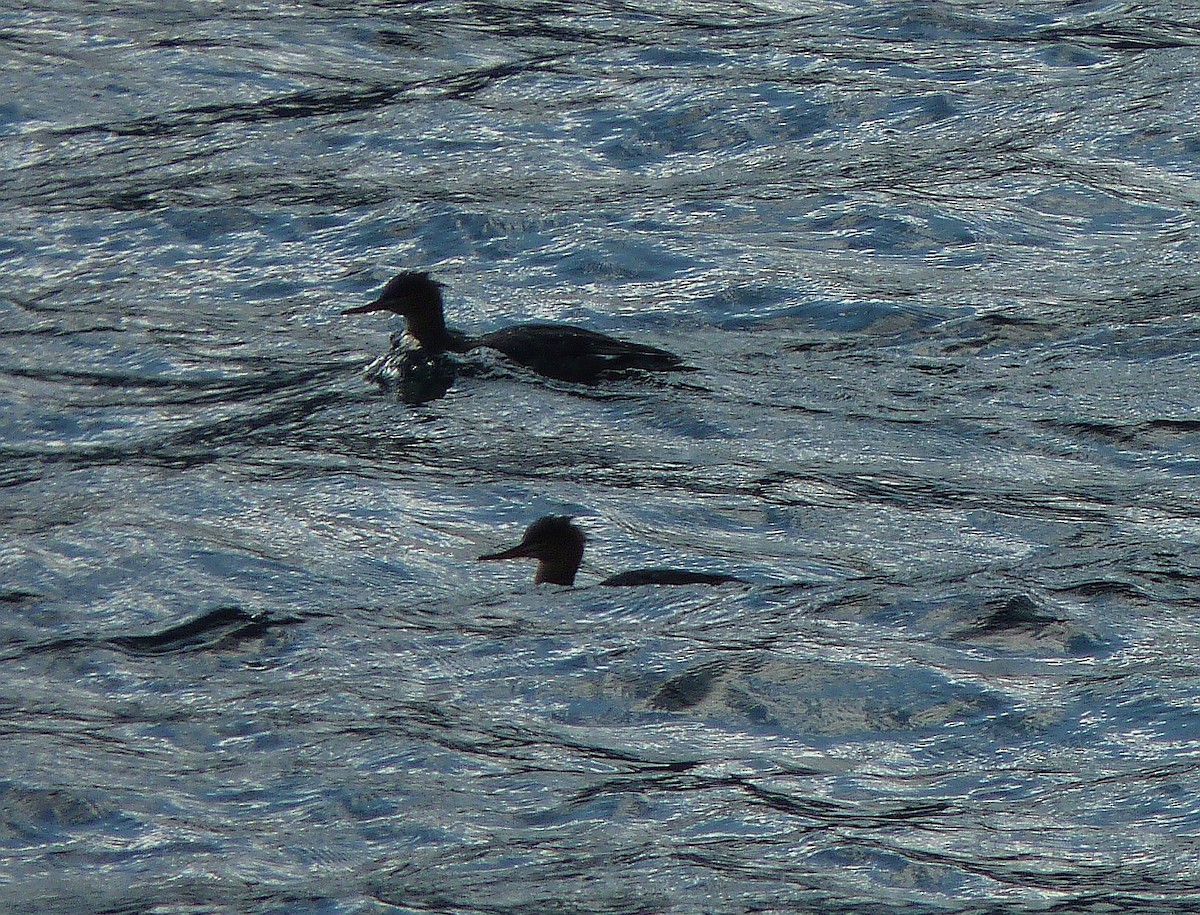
(669,577)
(576,354)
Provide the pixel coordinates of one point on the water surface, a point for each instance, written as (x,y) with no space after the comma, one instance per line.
(936,264)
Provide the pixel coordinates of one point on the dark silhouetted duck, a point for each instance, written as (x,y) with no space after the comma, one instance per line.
(554,350)
(557,545)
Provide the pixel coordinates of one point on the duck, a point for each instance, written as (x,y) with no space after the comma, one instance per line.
(559,351)
(557,543)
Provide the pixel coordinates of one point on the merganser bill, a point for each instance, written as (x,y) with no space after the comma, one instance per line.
(557,545)
(554,350)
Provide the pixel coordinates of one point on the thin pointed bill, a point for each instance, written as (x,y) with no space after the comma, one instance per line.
(377,305)
(520,551)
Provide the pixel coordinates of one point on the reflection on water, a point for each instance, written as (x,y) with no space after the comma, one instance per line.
(934,269)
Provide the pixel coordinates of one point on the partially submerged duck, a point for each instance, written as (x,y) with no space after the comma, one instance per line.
(557,545)
(554,350)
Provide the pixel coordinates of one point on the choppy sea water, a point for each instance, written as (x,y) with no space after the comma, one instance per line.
(936,264)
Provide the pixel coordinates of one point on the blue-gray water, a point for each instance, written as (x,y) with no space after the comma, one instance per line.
(937,264)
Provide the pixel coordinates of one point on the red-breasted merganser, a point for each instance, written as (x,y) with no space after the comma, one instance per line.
(554,350)
(557,545)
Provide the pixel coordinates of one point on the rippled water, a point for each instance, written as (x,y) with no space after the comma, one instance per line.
(937,264)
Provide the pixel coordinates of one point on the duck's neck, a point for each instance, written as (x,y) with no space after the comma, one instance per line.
(555,572)
(429,330)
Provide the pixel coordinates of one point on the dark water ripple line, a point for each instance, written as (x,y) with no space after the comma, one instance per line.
(268,380)
(1065,879)
(198,444)
(821,813)
(1137,35)
(312,103)
(261,408)
(215,630)
(528,744)
(905,489)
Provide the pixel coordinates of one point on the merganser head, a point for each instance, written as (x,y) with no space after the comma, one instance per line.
(418,298)
(413,293)
(555,543)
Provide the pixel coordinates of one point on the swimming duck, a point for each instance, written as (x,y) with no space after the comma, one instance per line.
(554,350)
(557,545)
